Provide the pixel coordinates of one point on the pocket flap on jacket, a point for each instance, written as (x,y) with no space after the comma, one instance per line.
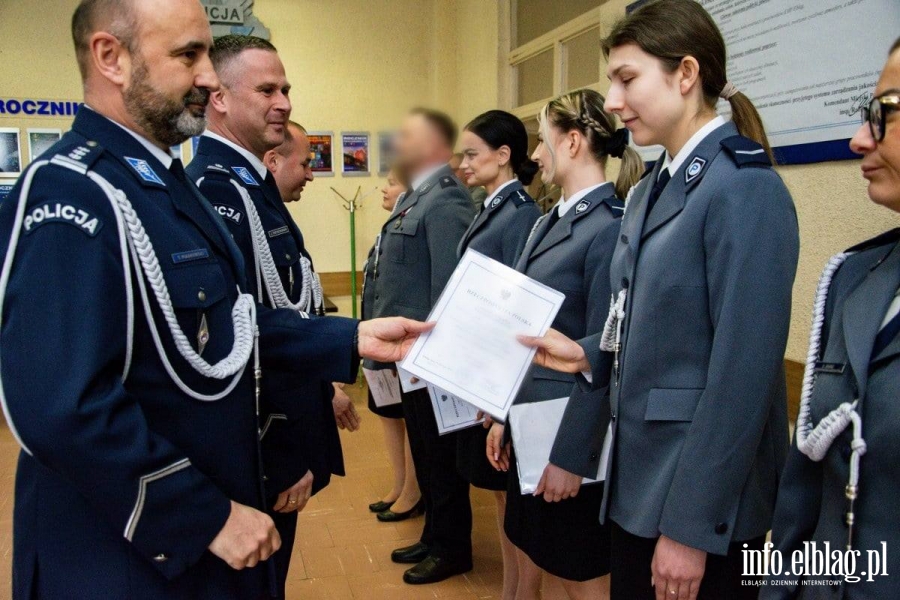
(404,226)
(672,404)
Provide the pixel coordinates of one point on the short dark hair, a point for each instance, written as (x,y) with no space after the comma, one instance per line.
(228,47)
(118,16)
(441,121)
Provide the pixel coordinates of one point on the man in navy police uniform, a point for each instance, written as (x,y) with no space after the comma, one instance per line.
(124,340)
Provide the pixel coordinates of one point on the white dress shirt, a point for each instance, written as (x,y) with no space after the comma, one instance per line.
(673,164)
(565,204)
(496,193)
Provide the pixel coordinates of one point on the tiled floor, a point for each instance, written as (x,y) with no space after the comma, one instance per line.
(342,552)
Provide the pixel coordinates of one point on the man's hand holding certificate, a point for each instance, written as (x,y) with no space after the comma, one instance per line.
(473,351)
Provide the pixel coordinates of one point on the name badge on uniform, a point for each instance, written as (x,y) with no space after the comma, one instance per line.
(245,175)
(830,368)
(190,255)
(582,206)
(694,169)
(277,232)
(144,170)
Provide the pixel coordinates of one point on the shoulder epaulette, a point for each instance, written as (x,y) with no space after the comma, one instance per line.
(745,152)
(447,181)
(521,198)
(888,237)
(79,157)
(216,168)
(616,204)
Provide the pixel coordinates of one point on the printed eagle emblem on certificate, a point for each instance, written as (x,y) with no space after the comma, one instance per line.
(473,352)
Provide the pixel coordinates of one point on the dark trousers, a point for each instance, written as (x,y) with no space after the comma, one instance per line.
(286,524)
(448,513)
(630,570)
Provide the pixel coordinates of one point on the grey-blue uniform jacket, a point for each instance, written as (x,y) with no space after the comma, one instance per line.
(699,407)
(418,249)
(501,229)
(573,258)
(125,480)
(298,426)
(811,502)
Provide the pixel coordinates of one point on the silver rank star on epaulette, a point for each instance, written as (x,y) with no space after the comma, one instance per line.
(79,158)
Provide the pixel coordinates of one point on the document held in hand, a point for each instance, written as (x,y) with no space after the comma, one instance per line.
(451,413)
(473,352)
(534,428)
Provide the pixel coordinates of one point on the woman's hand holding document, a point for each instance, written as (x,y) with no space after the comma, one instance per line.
(473,351)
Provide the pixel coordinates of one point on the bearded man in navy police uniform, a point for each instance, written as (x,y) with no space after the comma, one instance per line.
(126,342)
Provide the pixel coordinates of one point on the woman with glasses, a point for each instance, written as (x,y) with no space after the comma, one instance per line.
(842,478)
(701,278)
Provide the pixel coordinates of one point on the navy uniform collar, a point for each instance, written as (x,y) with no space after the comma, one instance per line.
(232,160)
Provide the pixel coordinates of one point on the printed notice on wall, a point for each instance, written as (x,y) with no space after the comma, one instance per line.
(808,65)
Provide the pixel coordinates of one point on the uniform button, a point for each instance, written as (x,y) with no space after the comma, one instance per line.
(201,296)
(721,528)
(265,477)
(287,256)
(625,282)
(624,239)
(160,558)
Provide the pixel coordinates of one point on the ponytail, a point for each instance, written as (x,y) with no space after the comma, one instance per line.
(748,122)
(630,172)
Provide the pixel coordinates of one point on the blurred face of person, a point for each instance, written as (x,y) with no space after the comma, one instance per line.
(651,103)
(255,100)
(290,165)
(455,163)
(391,191)
(881,160)
(417,145)
(481,164)
(171,77)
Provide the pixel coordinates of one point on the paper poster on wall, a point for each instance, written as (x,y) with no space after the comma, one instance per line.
(10,159)
(321,145)
(807,66)
(385,151)
(6,186)
(40,140)
(355,151)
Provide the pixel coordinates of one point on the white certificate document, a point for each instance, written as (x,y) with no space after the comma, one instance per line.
(384,385)
(451,413)
(534,428)
(473,352)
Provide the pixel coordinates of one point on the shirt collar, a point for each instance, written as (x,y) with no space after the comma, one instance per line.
(673,164)
(565,204)
(158,153)
(257,164)
(424,176)
(496,193)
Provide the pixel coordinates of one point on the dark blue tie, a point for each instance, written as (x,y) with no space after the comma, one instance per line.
(657,190)
(886,336)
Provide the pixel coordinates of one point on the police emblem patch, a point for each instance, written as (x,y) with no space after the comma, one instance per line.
(245,175)
(694,169)
(496,201)
(144,170)
(58,212)
(229,213)
(582,206)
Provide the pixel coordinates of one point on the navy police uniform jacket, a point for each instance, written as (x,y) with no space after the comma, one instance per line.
(850,367)
(124,480)
(573,257)
(699,406)
(299,431)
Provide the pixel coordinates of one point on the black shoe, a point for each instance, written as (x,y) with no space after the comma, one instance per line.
(434,569)
(380,506)
(410,555)
(390,516)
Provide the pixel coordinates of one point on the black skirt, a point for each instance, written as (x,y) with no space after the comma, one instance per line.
(392,411)
(563,538)
(472,462)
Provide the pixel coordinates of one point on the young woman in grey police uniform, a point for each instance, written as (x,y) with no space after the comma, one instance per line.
(556,529)
(842,479)
(495,156)
(701,279)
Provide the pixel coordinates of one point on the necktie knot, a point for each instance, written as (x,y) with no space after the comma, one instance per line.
(658,188)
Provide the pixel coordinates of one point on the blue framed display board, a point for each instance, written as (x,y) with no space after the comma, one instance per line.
(808,67)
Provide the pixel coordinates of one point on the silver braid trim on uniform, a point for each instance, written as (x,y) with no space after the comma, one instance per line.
(815,442)
(268,272)
(537,224)
(612,330)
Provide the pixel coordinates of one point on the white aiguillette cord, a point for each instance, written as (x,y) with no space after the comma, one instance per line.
(814,442)
(133,240)
(311,292)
